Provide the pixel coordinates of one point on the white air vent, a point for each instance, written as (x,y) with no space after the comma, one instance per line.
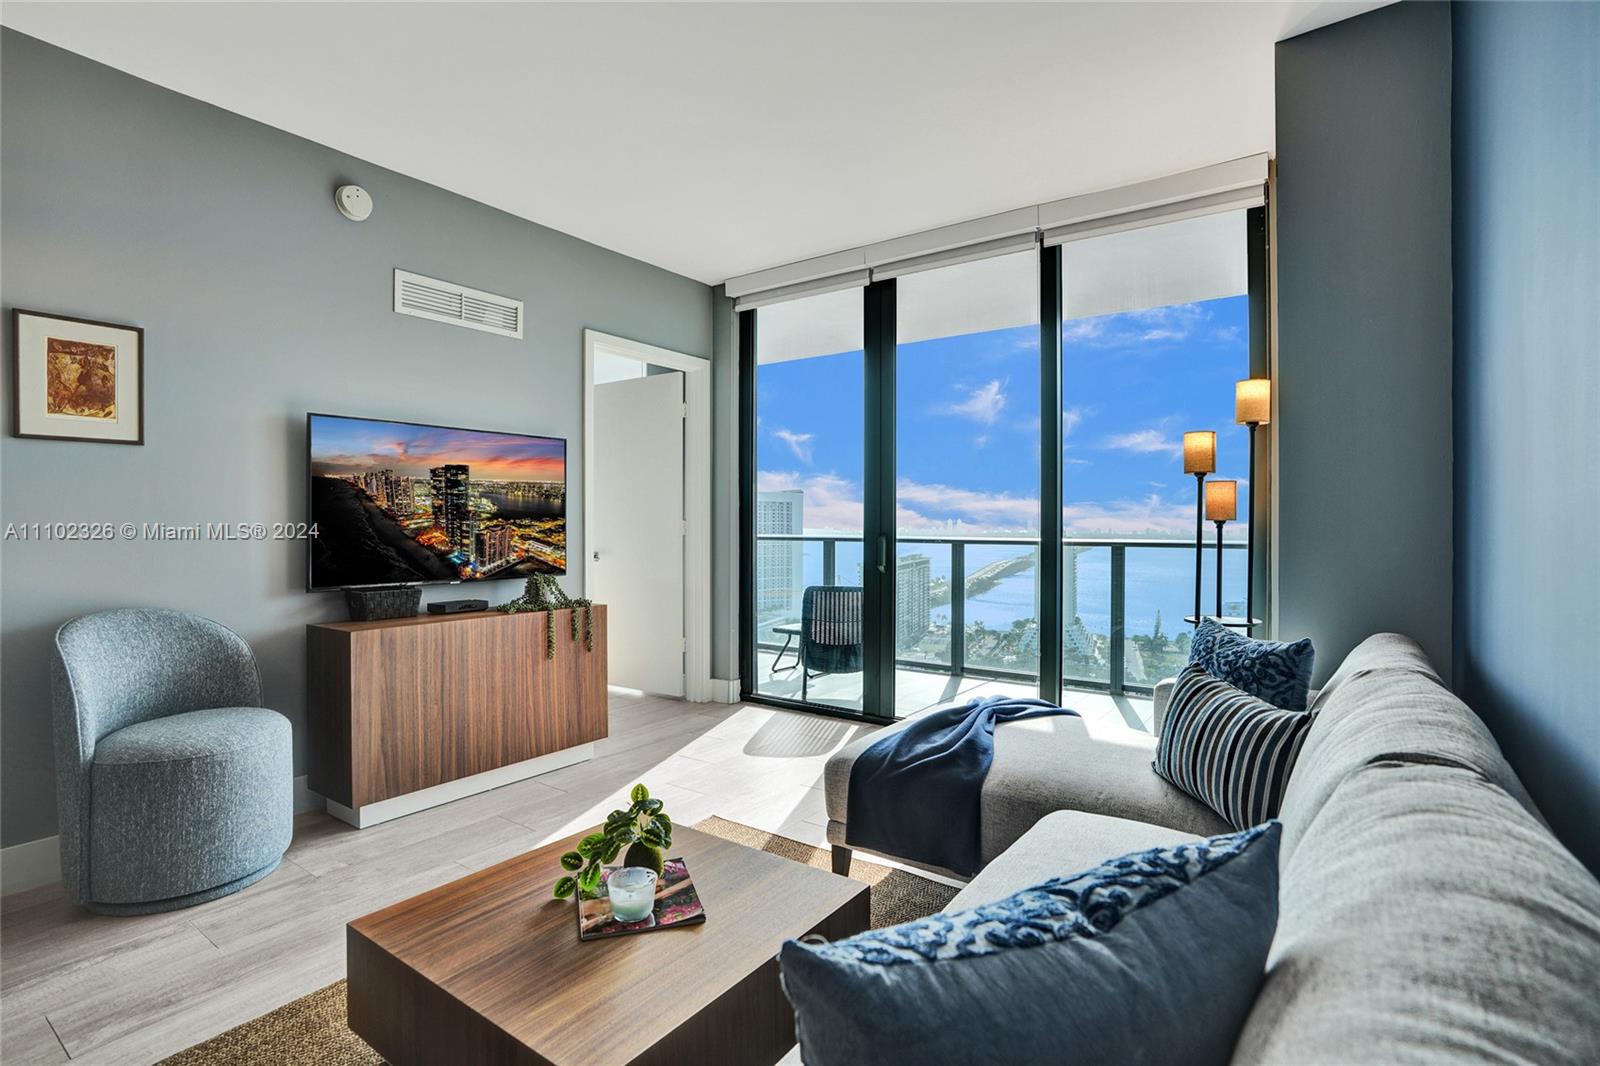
(444,301)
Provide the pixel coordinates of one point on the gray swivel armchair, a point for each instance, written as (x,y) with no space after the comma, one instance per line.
(174,785)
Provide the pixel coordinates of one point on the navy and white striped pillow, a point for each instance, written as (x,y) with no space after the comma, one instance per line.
(1227,749)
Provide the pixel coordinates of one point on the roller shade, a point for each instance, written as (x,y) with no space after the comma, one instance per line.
(854,279)
(1231,186)
(1134,269)
(1220,189)
(824,324)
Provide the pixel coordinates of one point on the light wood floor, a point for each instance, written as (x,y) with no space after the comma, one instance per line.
(82,987)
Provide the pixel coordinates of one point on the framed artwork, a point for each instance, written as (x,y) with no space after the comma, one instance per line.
(76,379)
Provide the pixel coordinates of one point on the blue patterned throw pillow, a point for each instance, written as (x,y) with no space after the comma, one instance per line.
(1227,749)
(1273,670)
(1153,957)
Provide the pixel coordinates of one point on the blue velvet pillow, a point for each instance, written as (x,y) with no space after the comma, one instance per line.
(1272,670)
(1153,957)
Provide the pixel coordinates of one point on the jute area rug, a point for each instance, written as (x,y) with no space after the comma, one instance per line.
(312,1030)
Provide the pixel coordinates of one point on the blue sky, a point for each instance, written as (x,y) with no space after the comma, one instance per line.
(968,434)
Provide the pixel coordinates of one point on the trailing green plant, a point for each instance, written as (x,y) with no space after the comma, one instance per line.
(541,593)
(644,829)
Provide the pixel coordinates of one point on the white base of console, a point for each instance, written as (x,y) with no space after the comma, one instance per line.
(412,802)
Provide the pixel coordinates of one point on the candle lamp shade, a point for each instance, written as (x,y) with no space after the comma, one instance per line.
(1200,451)
(1252,402)
(1222,501)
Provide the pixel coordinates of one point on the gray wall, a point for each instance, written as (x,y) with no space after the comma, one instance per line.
(125,202)
(1364,332)
(1527,348)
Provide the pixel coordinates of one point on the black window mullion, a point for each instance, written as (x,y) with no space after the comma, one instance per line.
(747,503)
(1261,457)
(878,517)
(1050,525)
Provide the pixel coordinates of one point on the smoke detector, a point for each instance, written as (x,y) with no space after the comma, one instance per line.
(354,202)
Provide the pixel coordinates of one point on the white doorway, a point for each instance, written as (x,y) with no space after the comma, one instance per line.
(647,493)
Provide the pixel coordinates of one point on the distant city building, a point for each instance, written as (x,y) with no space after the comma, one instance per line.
(1133,663)
(375,483)
(1077,640)
(491,545)
(402,498)
(913,600)
(1069,584)
(780,565)
(452,504)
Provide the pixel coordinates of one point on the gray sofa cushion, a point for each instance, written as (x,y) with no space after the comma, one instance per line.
(1044,765)
(1386,700)
(1427,917)
(1062,843)
(190,802)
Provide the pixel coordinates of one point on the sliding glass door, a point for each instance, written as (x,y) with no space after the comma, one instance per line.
(1156,329)
(967,479)
(809,454)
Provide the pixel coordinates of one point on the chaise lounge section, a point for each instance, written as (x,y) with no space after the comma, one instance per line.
(1066,763)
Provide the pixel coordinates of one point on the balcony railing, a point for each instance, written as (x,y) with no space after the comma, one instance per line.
(978,564)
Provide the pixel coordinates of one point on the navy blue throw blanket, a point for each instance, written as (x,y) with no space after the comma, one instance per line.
(914,794)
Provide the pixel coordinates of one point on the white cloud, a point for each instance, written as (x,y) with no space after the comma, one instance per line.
(1071,418)
(831,502)
(1151,325)
(983,404)
(972,507)
(799,443)
(1085,330)
(1171,323)
(1152,514)
(1144,442)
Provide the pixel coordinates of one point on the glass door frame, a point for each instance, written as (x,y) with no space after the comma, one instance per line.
(879,541)
(878,549)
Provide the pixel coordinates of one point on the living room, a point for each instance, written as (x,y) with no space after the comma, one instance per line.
(1060,530)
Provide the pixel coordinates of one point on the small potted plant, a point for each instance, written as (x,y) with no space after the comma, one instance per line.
(643,829)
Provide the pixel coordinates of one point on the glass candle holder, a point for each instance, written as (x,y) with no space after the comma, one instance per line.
(633,893)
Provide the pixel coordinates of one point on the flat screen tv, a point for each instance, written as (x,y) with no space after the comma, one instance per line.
(400,503)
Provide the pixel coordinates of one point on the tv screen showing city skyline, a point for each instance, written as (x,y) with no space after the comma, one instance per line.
(397,503)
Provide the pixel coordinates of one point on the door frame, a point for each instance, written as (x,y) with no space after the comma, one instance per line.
(696,492)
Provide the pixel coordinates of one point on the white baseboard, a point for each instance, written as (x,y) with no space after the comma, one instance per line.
(25,866)
(38,862)
(724,690)
(420,800)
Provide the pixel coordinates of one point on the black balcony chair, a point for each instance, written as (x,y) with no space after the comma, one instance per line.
(830,632)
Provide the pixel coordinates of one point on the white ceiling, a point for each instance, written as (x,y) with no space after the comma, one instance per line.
(717,139)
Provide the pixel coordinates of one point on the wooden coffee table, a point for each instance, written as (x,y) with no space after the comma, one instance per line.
(489,969)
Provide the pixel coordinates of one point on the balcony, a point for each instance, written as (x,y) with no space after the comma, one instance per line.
(986,637)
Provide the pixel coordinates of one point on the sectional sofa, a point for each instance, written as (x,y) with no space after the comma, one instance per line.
(1426,913)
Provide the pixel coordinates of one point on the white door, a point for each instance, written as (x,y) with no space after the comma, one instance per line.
(637,539)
